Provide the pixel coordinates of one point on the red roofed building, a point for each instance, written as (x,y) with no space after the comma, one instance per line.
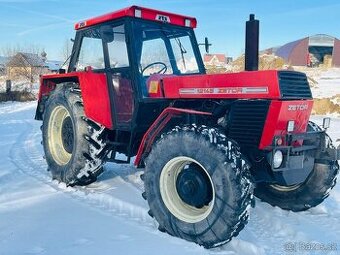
(219,60)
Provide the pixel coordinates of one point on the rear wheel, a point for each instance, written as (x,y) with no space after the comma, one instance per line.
(197,185)
(74,146)
(305,195)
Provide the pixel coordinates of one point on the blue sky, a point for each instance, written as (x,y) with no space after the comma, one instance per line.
(48,23)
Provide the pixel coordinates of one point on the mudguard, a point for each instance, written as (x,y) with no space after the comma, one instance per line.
(94,91)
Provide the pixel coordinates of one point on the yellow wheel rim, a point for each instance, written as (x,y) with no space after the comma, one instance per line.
(285,188)
(171,198)
(56,141)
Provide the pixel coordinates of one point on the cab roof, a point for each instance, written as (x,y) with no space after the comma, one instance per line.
(143,13)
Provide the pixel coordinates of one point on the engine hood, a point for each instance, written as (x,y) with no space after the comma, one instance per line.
(256,84)
(271,84)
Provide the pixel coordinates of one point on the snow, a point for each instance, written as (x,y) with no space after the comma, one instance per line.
(328,82)
(40,216)
(19,85)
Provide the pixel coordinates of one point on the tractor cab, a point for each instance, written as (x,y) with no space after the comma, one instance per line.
(134,47)
(134,44)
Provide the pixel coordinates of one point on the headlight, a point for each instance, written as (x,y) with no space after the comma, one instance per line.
(277,159)
(290,126)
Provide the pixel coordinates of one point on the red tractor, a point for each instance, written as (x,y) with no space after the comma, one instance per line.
(136,85)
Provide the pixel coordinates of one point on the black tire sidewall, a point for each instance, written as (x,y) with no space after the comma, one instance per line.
(220,224)
(310,194)
(66,173)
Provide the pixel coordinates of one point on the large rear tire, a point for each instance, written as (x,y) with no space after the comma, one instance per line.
(74,146)
(305,195)
(197,185)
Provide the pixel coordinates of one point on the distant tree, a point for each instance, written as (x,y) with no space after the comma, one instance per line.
(11,50)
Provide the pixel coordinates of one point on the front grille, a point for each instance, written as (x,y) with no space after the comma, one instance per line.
(294,85)
(247,118)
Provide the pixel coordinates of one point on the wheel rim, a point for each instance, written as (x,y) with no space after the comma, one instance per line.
(286,188)
(60,135)
(182,192)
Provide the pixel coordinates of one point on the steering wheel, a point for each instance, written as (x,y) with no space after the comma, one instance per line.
(162,71)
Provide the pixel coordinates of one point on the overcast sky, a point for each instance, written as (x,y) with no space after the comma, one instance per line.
(48,23)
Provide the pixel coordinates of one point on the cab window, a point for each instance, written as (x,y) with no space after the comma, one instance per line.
(91,52)
(117,48)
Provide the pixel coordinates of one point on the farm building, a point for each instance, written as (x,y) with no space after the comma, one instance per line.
(219,60)
(26,65)
(310,51)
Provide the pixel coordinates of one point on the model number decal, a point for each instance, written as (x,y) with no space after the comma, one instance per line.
(163,18)
(297,107)
(225,90)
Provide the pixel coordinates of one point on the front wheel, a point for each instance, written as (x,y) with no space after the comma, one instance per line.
(305,195)
(197,185)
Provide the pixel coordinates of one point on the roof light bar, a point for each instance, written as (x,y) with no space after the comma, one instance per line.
(138,13)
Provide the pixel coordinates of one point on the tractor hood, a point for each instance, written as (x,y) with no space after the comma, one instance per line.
(271,84)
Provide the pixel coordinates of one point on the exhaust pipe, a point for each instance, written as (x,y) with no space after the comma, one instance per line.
(252,44)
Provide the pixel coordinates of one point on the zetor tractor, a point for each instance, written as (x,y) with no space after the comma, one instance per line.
(136,85)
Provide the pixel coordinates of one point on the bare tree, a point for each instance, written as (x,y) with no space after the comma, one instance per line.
(11,50)
(66,51)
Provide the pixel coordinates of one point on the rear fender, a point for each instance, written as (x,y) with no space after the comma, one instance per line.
(94,92)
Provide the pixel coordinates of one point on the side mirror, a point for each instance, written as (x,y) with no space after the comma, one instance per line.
(107,34)
(206,44)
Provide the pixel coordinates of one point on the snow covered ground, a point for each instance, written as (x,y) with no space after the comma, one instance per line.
(38,216)
(328,82)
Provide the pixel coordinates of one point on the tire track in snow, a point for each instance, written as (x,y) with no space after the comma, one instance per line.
(26,155)
(272,227)
(7,107)
(269,227)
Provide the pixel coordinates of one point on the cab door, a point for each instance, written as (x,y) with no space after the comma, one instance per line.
(104,49)
(119,73)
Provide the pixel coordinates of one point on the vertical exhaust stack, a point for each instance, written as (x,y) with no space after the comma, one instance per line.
(252,44)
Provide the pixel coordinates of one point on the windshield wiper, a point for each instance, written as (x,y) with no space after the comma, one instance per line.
(183,51)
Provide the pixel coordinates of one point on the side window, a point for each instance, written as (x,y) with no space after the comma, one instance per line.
(117,48)
(91,52)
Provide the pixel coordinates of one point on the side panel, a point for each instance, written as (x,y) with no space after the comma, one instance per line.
(244,85)
(94,93)
(280,112)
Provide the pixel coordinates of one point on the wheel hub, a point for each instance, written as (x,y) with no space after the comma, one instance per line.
(194,187)
(67,134)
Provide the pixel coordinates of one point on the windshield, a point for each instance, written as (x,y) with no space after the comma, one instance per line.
(162,50)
